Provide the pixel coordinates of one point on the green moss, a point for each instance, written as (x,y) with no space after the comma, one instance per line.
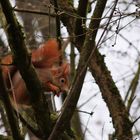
(5,137)
(54,117)
(70,2)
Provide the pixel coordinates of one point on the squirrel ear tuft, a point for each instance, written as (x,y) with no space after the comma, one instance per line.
(66,68)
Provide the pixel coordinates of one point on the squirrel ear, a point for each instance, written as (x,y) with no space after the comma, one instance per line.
(66,68)
(56,71)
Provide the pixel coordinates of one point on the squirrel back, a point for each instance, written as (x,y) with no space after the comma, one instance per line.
(47,54)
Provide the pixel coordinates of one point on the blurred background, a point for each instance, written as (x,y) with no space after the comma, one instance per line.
(120,46)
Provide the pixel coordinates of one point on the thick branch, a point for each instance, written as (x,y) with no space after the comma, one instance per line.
(65,8)
(80,23)
(72,99)
(106,84)
(27,71)
(58,31)
(112,97)
(69,107)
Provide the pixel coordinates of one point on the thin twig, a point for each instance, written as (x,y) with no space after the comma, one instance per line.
(135,121)
(9,110)
(34,12)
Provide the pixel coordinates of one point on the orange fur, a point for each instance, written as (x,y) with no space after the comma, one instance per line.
(47,54)
(45,59)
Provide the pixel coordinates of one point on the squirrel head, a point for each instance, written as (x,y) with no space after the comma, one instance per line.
(61,77)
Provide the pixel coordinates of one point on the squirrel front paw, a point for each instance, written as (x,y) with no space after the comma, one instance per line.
(56,90)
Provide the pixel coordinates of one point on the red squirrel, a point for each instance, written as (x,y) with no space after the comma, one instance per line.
(54,77)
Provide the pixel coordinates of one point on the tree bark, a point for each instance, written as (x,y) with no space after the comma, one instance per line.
(103,78)
(22,61)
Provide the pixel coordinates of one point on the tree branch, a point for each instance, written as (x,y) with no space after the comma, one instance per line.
(109,91)
(80,23)
(72,99)
(23,63)
(132,89)
(35,131)
(9,110)
(34,12)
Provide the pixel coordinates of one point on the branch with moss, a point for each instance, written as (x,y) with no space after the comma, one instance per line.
(22,60)
(73,97)
(5,137)
(103,78)
(80,23)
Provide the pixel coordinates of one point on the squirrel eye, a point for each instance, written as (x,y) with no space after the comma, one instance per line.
(62,80)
